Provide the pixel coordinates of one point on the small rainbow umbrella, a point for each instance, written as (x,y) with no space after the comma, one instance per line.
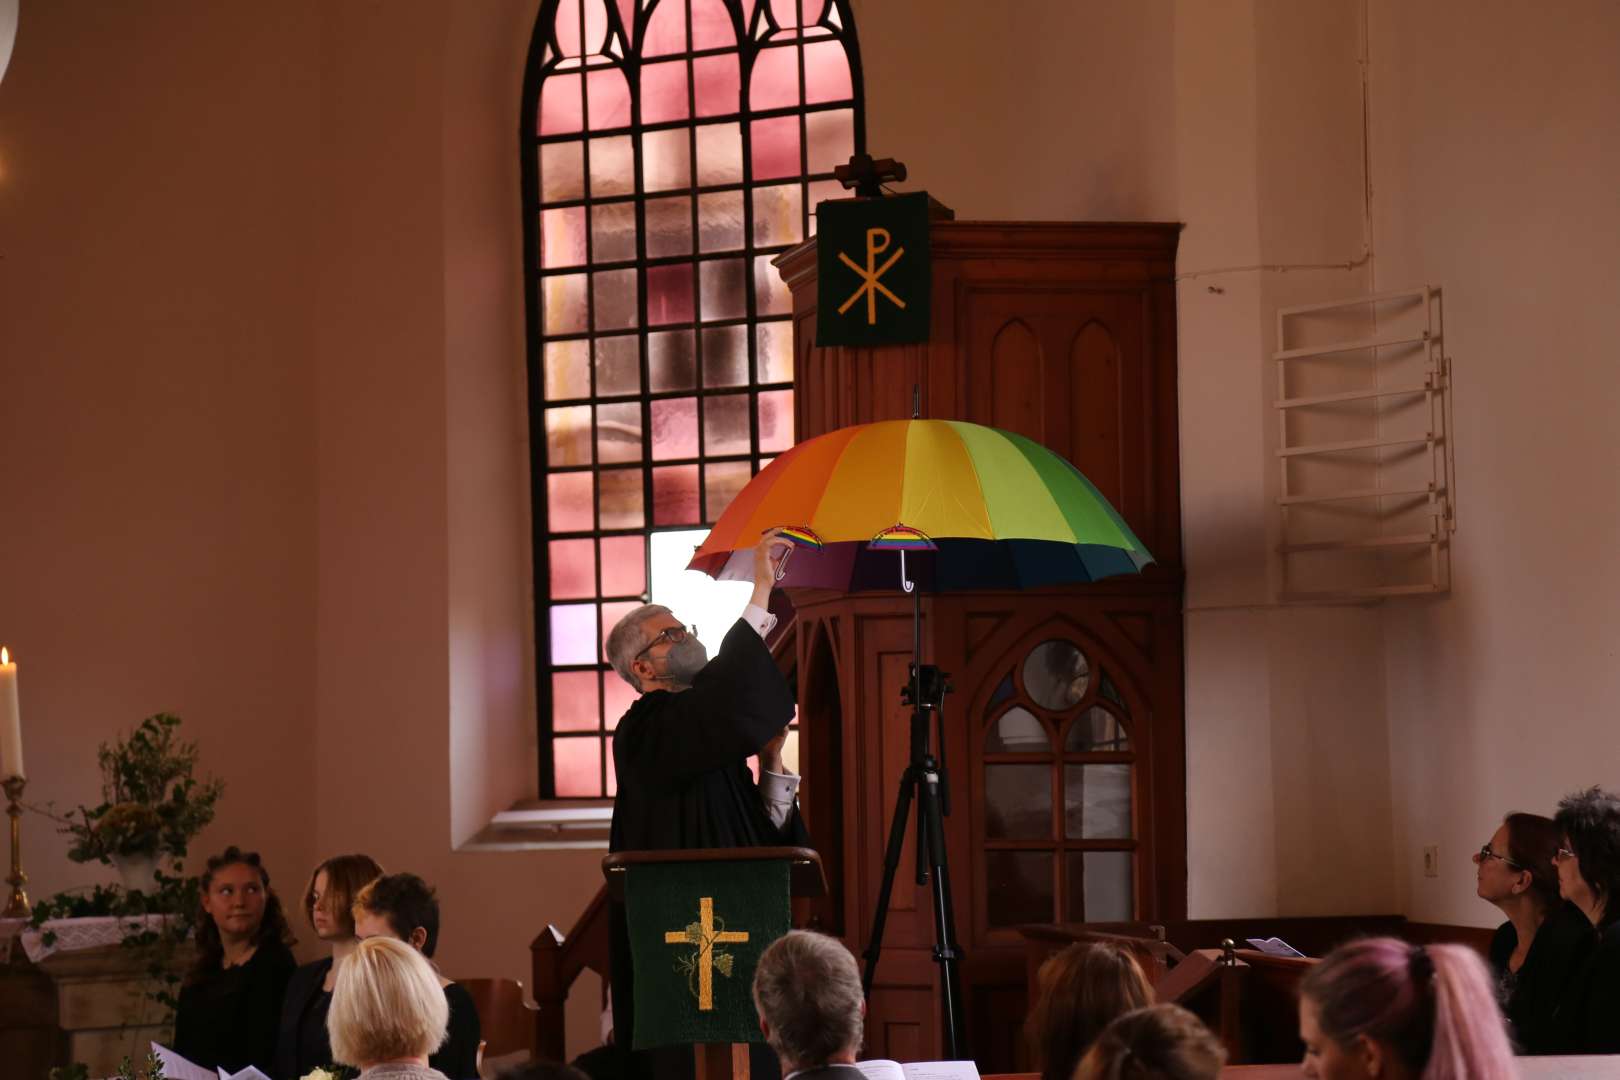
(975,507)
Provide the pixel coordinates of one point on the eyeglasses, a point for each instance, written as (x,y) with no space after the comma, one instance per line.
(1563,853)
(672,634)
(1485,852)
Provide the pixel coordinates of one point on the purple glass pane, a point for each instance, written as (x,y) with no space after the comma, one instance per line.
(671,360)
(666,160)
(775,81)
(562,105)
(776,147)
(618,433)
(770,291)
(721,483)
(562,237)
(575,704)
(674,429)
(720,221)
(568,369)
(568,502)
(711,25)
(716,82)
(568,436)
(620,496)
(612,167)
(826,72)
(573,634)
(775,351)
(832,138)
(675,495)
(775,421)
(669,294)
(562,171)
(607,98)
(719,151)
(666,31)
(577,766)
(613,232)
(614,292)
(564,299)
(573,569)
(725,356)
(778,214)
(663,92)
(725,426)
(722,289)
(669,226)
(618,366)
(624,565)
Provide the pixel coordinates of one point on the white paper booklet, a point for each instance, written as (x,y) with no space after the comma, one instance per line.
(1274,946)
(176,1067)
(882,1069)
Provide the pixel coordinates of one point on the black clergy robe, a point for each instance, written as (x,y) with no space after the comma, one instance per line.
(682,766)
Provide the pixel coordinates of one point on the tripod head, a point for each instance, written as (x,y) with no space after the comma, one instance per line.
(926,689)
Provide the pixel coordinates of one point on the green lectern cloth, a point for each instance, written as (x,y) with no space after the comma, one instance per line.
(696,932)
(873,276)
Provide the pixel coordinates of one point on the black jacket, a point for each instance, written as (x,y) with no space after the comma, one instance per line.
(1530,997)
(301,1043)
(1587,1018)
(229,1019)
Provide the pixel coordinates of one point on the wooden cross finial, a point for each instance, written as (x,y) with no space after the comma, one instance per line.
(867,174)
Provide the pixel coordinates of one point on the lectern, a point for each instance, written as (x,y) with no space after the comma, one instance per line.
(696,922)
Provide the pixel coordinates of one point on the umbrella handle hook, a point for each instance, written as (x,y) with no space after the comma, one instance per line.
(905,582)
(781,565)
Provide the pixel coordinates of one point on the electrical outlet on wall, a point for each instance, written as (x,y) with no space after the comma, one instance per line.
(1431,860)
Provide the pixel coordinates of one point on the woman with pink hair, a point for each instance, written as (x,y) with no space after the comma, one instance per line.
(1384,1008)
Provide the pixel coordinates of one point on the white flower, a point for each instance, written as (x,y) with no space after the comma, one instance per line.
(319,1074)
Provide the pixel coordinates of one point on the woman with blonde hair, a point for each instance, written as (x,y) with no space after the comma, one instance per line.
(1078,992)
(1160,1042)
(1384,1008)
(388,1012)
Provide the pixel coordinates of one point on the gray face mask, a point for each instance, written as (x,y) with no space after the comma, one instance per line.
(685,659)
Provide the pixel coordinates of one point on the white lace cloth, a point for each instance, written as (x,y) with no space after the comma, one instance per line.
(73,935)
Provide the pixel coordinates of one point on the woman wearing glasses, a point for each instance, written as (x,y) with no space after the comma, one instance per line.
(1533,952)
(1587,1020)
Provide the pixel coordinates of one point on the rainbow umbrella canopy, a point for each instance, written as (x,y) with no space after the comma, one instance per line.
(973,507)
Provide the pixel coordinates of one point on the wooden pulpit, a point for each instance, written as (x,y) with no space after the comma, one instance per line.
(710,933)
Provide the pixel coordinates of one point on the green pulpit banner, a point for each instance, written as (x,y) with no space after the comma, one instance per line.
(872,271)
(696,932)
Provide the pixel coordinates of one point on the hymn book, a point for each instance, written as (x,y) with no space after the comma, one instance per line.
(883,1069)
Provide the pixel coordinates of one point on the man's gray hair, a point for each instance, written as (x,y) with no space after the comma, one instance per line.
(807,989)
(628,638)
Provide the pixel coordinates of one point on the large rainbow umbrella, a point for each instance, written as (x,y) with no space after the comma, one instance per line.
(975,507)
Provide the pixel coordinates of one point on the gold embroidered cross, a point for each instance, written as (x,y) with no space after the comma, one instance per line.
(702,934)
(877,242)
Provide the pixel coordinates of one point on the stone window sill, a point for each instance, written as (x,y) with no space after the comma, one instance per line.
(551,825)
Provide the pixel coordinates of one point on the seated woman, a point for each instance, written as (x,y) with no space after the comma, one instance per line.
(1587,1020)
(1533,952)
(404,906)
(1078,992)
(1384,1008)
(301,1039)
(388,1013)
(1160,1042)
(231,999)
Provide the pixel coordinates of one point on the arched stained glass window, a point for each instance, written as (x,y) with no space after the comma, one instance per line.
(670,150)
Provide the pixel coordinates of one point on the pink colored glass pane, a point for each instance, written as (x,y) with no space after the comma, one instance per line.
(568,370)
(675,495)
(771,292)
(719,150)
(568,501)
(574,701)
(725,356)
(666,31)
(612,770)
(568,435)
(775,351)
(778,214)
(669,226)
(717,84)
(621,506)
(786,12)
(711,25)
(663,92)
(596,24)
(562,171)
(832,138)
(611,614)
(627,16)
(720,221)
(722,289)
(725,426)
(569,38)
(776,147)
(823,191)
(614,293)
(826,72)
(624,565)
(666,160)
(612,167)
(618,366)
(618,433)
(617,697)
(573,634)
(562,237)
(671,361)
(775,421)
(613,232)
(564,303)
(608,96)
(562,105)
(722,481)
(669,294)
(674,429)
(748,12)
(775,81)
(573,569)
(577,767)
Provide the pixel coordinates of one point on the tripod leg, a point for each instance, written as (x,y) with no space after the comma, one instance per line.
(891,864)
(946,953)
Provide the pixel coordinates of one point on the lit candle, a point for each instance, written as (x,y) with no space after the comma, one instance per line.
(11,760)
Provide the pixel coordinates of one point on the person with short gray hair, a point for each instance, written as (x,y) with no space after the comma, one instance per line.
(807,991)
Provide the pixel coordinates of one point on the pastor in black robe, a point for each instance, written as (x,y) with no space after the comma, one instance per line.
(682,765)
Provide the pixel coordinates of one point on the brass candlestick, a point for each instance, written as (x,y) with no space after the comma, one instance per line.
(17,907)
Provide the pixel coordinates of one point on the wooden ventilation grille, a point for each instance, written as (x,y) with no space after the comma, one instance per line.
(1364,448)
